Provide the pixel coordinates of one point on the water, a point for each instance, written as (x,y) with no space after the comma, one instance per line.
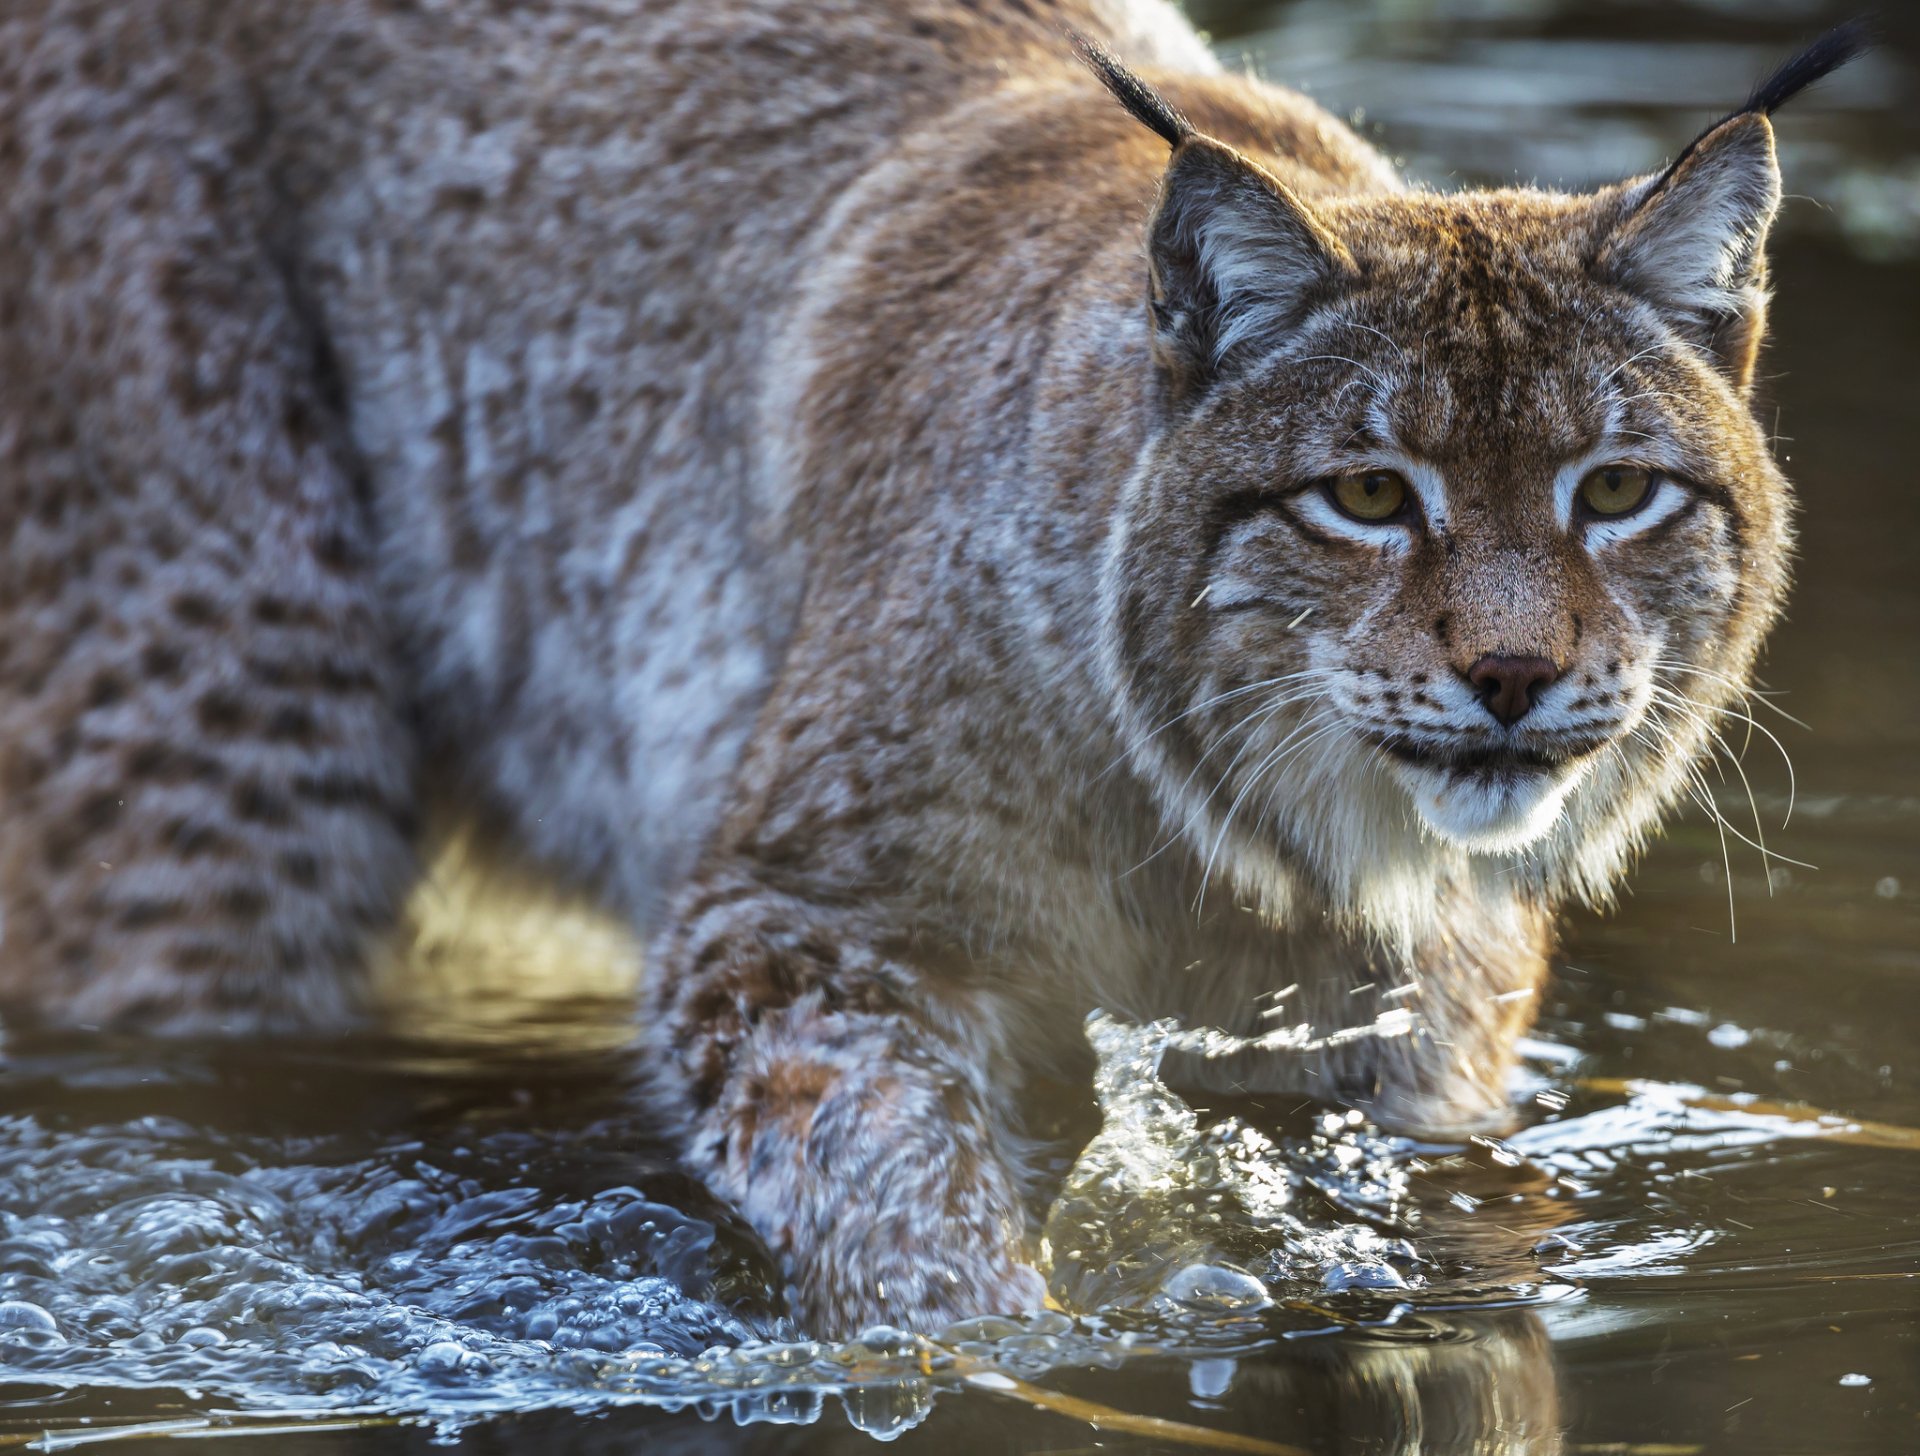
(465,1233)
(320,1234)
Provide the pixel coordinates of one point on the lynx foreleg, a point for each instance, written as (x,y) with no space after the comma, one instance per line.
(848,1108)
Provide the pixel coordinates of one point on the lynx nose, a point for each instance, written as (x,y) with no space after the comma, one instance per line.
(1507,685)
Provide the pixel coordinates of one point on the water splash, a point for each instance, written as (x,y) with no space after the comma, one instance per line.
(263,1269)
(380,1236)
(1170,1217)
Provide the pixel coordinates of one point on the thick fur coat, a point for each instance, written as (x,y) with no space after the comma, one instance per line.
(828,482)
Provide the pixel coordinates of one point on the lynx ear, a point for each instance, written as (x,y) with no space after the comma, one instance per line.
(1693,241)
(1234,258)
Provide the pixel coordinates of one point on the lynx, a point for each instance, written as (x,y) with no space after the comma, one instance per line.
(935,550)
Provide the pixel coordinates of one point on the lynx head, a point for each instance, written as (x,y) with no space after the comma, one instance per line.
(1459,532)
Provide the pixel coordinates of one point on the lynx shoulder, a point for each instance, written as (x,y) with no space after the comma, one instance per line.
(937,550)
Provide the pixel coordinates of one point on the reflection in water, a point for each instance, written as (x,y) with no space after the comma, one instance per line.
(1481,1383)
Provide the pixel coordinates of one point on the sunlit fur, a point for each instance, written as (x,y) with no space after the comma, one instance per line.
(828,486)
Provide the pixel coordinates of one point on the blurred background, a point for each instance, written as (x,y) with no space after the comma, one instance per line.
(332,1238)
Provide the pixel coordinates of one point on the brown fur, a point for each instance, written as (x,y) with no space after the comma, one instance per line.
(823,480)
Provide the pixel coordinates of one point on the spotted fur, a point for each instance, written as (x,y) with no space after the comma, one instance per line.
(825,481)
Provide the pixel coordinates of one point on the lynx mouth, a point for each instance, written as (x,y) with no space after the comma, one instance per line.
(1492,762)
(1489,799)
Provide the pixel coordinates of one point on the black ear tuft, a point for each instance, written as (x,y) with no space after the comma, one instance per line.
(1825,56)
(1821,59)
(1148,107)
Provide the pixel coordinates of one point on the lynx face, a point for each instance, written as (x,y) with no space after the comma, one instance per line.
(1461,531)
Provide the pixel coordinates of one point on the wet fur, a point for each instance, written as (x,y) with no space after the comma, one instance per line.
(804,475)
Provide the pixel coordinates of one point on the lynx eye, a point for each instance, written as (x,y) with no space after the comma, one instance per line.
(1616,490)
(1369,495)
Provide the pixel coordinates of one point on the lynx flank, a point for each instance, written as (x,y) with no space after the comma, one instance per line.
(935,551)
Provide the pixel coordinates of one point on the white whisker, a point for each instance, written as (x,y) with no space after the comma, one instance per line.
(1272,759)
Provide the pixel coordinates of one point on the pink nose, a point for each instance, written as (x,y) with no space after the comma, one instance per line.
(1508,685)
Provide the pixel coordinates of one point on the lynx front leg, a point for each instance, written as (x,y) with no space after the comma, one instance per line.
(1474,993)
(848,1106)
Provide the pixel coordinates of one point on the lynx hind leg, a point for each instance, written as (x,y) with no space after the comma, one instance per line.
(204,791)
(205,787)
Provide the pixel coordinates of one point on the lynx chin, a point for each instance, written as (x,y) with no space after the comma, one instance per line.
(931,547)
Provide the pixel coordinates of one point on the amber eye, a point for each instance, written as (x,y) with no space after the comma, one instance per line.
(1616,490)
(1369,495)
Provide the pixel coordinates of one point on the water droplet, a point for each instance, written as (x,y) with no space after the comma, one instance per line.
(17,1314)
(1363,1276)
(1216,1288)
(1211,1379)
(986,1328)
(886,1412)
(443,1357)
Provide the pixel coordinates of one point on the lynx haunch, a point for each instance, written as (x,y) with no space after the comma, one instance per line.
(935,551)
